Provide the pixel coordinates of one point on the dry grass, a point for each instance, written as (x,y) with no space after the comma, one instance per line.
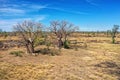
(9,38)
(99,61)
(24,72)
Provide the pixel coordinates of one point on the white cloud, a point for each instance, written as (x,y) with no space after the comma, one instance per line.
(38,6)
(68,11)
(11,10)
(18,9)
(91,2)
(7,25)
(39,18)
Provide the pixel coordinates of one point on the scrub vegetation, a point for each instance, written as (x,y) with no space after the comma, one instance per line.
(59,52)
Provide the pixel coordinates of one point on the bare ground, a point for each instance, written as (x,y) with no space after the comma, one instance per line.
(84,64)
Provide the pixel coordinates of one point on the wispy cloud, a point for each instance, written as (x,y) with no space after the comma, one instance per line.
(91,2)
(33,18)
(38,6)
(19,9)
(12,13)
(7,24)
(40,18)
(11,10)
(68,11)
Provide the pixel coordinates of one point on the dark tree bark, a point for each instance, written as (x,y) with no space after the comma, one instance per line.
(60,43)
(30,47)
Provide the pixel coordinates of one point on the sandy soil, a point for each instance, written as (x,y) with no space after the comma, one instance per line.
(93,63)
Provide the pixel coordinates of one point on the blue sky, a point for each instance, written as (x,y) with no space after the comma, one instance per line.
(89,15)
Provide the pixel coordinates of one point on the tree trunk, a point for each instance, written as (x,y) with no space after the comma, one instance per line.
(60,43)
(113,40)
(26,45)
(30,47)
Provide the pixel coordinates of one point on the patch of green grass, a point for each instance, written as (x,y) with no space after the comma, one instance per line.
(17,53)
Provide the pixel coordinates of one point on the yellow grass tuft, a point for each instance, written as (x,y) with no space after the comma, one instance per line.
(24,72)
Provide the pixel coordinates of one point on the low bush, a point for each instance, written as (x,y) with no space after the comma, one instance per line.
(50,51)
(39,41)
(17,53)
(66,44)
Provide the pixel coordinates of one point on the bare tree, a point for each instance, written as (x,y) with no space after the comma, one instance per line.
(29,32)
(67,29)
(62,29)
(56,29)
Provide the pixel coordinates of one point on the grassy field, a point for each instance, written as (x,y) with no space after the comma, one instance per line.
(100,60)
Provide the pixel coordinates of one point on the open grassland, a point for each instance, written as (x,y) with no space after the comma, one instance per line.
(98,61)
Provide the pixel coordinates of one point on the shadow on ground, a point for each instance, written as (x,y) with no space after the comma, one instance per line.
(110,68)
(46,51)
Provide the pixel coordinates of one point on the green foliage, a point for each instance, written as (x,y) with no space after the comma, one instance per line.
(39,41)
(114,32)
(113,40)
(66,44)
(17,53)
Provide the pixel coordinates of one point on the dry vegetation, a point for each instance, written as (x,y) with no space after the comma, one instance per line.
(62,54)
(99,60)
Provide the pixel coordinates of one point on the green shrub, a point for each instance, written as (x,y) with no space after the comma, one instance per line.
(66,44)
(114,32)
(39,41)
(17,53)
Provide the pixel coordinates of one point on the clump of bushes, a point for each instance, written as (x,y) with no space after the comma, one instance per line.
(39,41)
(51,52)
(17,53)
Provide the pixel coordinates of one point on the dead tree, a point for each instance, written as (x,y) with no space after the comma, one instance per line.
(29,32)
(56,29)
(62,29)
(67,29)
